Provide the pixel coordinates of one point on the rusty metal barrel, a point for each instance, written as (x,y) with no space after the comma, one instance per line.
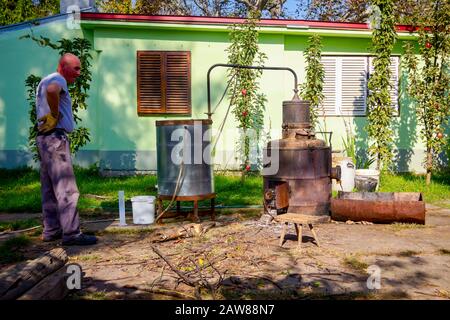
(379,207)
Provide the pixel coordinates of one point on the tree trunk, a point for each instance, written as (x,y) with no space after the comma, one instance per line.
(378,162)
(243,176)
(429,166)
(428,177)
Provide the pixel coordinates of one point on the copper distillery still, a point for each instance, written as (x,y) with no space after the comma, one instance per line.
(302,183)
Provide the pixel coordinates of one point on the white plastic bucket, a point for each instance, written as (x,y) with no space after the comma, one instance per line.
(347,182)
(143,209)
(368,173)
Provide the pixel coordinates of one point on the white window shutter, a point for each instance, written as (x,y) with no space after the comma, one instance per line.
(329,85)
(353,85)
(393,90)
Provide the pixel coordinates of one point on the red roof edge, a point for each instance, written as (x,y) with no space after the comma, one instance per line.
(228,20)
(231,20)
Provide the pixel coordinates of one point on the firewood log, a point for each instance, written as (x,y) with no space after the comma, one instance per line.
(16,281)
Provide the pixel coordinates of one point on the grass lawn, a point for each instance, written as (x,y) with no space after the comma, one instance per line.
(10,250)
(20,189)
(438,192)
(19,224)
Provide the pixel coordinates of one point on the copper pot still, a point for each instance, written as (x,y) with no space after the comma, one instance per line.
(297,169)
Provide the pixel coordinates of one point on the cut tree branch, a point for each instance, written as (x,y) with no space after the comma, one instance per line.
(174,269)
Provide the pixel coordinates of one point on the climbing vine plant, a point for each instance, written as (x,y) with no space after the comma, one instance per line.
(312,89)
(31,83)
(429,80)
(248,104)
(380,111)
(78,90)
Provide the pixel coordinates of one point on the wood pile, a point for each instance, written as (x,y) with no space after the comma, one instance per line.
(43,278)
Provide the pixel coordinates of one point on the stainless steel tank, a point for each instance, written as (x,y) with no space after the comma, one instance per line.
(184,143)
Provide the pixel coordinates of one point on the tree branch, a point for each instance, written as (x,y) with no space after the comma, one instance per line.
(171,266)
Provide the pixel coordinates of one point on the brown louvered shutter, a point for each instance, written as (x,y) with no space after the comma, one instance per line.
(163,84)
(149,82)
(178,93)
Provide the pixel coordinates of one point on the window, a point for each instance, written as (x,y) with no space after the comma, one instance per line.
(393,91)
(345,84)
(164,82)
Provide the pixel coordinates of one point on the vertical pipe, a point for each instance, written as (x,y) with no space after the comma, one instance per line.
(122,221)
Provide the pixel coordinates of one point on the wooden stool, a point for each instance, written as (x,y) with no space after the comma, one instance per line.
(299,220)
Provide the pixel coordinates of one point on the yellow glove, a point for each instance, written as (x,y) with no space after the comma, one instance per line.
(49,122)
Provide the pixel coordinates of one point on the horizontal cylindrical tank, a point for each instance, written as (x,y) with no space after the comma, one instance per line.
(184,145)
(379,207)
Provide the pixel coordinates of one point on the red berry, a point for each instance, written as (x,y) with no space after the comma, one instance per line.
(244,113)
(247,167)
(428,45)
(440,135)
(244,92)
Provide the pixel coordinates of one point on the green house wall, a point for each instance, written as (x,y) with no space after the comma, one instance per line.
(122,140)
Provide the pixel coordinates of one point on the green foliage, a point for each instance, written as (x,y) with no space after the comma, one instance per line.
(429,80)
(16,11)
(18,224)
(114,6)
(10,250)
(364,163)
(312,89)
(349,144)
(31,83)
(380,110)
(351,151)
(447,150)
(355,263)
(142,7)
(247,102)
(78,138)
(20,190)
(78,90)
(437,192)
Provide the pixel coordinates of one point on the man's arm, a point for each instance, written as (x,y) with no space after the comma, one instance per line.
(53,92)
(50,120)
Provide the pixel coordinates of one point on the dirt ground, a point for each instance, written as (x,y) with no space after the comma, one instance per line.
(242,251)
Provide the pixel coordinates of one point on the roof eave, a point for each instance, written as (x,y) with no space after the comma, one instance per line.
(232,20)
(287,28)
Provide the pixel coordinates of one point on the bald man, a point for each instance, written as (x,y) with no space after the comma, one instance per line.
(58,185)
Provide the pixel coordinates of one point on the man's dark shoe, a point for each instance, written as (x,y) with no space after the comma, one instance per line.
(53,237)
(80,240)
